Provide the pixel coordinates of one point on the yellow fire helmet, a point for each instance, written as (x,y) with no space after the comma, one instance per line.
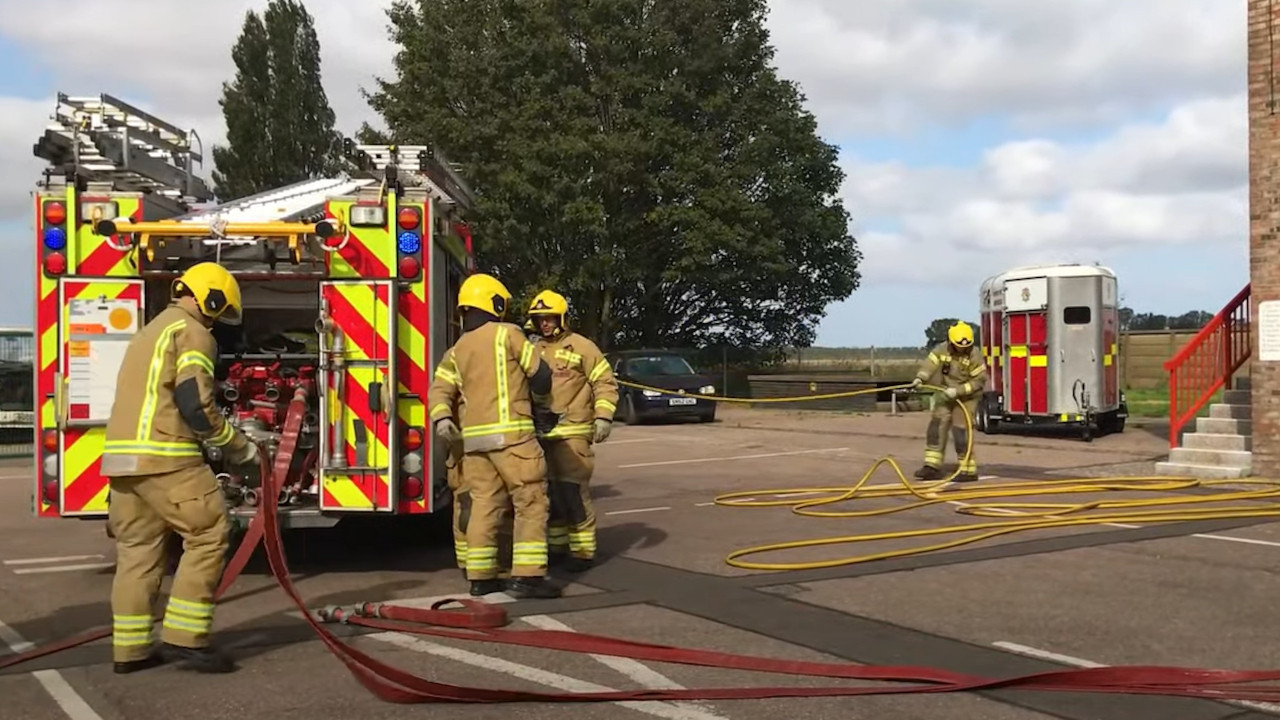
(215,290)
(550,302)
(484,292)
(960,334)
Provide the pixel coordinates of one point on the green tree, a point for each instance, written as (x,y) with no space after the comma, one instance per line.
(643,158)
(280,128)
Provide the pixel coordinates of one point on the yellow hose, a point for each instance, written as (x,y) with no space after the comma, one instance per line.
(1031,515)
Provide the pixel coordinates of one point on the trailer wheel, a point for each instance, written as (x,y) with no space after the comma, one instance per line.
(985,422)
(1086,429)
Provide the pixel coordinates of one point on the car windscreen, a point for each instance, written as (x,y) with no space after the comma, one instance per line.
(659,365)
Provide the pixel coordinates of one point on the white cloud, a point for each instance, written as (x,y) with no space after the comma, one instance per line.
(21,123)
(894,65)
(1180,181)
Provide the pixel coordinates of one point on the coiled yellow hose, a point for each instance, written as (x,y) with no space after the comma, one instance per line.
(980,501)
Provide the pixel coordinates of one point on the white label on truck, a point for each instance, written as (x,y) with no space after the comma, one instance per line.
(98,333)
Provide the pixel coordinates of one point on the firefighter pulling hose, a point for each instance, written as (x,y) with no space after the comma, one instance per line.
(483,623)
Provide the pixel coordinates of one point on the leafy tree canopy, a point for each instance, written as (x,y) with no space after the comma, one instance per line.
(642,158)
(280,128)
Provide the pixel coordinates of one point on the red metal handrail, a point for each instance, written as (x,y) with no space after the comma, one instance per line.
(1206,363)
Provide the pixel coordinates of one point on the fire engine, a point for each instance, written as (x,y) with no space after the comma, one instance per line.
(348,287)
(1050,339)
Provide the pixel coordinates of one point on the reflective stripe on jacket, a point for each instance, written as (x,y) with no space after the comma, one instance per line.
(583,388)
(164,403)
(488,369)
(967,373)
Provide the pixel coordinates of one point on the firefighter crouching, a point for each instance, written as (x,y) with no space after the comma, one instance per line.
(159,481)
(506,386)
(963,374)
(585,396)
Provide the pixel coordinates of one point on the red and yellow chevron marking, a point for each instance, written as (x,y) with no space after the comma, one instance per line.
(370,253)
(88,254)
(361,310)
(84,489)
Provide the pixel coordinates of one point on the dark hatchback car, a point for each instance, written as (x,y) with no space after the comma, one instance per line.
(660,369)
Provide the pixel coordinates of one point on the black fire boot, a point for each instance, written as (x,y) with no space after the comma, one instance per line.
(928,472)
(577,564)
(201,660)
(965,478)
(485,587)
(532,587)
(155,659)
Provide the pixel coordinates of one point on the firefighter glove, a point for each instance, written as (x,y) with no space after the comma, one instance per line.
(603,428)
(544,419)
(951,393)
(248,456)
(447,429)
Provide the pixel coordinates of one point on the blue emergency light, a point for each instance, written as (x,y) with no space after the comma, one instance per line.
(408,243)
(55,238)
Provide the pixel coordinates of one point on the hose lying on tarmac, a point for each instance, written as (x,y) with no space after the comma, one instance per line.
(482,622)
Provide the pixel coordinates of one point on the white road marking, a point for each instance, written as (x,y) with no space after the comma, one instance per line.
(638,510)
(637,671)
(23,476)
(63,568)
(631,440)
(1081,662)
(57,686)
(988,477)
(732,457)
(705,504)
(537,675)
(47,560)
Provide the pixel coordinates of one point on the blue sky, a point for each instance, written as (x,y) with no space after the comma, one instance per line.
(976,135)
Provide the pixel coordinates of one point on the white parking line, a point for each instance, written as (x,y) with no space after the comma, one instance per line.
(63,568)
(638,510)
(536,675)
(47,560)
(629,440)
(637,671)
(1080,662)
(732,457)
(23,476)
(57,686)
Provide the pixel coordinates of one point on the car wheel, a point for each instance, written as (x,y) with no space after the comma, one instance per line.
(628,411)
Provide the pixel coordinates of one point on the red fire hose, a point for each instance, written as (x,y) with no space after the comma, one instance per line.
(482,622)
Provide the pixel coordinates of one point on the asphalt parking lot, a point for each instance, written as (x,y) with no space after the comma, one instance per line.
(1197,594)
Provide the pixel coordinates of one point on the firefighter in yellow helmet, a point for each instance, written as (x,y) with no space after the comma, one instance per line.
(957,366)
(159,480)
(507,388)
(585,395)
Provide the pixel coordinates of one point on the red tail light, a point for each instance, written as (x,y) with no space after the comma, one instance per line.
(411,488)
(55,213)
(55,263)
(50,440)
(408,267)
(412,439)
(408,218)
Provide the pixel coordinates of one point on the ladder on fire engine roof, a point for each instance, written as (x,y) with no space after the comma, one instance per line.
(105,142)
(418,166)
(299,202)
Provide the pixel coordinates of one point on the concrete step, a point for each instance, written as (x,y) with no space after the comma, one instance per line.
(1216,441)
(1237,397)
(1226,426)
(1200,471)
(1218,458)
(1243,383)
(1228,410)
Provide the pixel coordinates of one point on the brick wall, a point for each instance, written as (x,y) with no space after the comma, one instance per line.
(1264,220)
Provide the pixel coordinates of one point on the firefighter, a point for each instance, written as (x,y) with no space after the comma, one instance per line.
(585,395)
(962,372)
(507,389)
(159,481)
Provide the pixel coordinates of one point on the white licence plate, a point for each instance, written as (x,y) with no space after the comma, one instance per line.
(682,401)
